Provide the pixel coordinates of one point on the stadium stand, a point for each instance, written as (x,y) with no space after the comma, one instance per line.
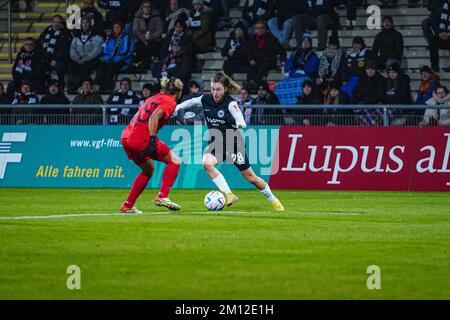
(407,21)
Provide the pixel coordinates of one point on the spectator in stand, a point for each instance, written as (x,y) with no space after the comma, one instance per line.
(26,95)
(245,101)
(4,99)
(235,50)
(117,53)
(221,13)
(430,23)
(29,65)
(264,54)
(256,10)
(193,115)
(195,89)
(332,62)
(438,116)
(428,85)
(371,89)
(387,47)
(147,30)
(351,6)
(54,96)
(117,10)
(95,17)
(200,22)
(440,38)
(124,96)
(265,96)
(308,96)
(303,61)
(55,44)
(281,24)
(148,90)
(302,65)
(85,50)
(177,64)
(355,65)
(398,91)
(87,96)
(174,13)
(320,15)
(179,32)
(333,116)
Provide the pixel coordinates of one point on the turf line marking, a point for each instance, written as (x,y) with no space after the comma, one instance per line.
(58,216)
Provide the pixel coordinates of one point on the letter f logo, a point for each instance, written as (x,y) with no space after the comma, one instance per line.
(5,148)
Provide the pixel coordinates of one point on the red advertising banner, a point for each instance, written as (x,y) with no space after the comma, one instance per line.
(363,158)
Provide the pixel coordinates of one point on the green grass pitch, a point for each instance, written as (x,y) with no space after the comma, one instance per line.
(319,248)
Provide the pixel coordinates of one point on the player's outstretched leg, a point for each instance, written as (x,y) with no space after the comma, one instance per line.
(263,187)
(209,163)
(169,176)
(139,185)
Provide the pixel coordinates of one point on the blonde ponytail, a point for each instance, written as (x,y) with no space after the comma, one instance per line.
(230,85)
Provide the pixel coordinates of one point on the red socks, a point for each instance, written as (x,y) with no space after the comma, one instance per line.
(169,176)
(138,187)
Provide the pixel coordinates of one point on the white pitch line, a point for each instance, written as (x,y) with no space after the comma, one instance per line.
(58,216)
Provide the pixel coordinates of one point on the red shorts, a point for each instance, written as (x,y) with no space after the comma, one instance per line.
(134,150)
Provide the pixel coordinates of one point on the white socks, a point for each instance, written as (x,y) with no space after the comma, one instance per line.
(268,193)
(222,184)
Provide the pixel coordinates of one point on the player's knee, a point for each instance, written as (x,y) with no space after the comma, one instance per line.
(149,171)
(176,161)
(208,165)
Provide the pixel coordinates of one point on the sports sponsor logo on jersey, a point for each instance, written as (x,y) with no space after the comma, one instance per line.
(5,150)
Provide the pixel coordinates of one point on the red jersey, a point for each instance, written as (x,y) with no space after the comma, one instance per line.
(138,129)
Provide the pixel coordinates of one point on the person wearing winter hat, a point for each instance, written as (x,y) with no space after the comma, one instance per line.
(331,65)
(303,61)
(388,45)
(355,64)
(429,82)
(235,50)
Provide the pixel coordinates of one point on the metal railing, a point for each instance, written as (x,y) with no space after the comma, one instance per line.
(301,115)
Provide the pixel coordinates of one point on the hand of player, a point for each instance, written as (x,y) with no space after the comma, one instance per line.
(443,35)
(150,151)
(252,62)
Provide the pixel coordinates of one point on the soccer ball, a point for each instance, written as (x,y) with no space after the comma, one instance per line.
(215,201)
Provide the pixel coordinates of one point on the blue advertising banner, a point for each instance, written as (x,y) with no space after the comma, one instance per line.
(92,156)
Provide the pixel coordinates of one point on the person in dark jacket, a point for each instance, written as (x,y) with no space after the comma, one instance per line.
(28,97)
(355,65)
(87,96)
(256,10)
(309,96)
(332,116)
(85,50)
(263,53)
(388,46)
(54,96)
(124,96)
(29,65)
(440,39)
(200,22)
(265,96)
(147,30)
(174,13)
(117,10)
(235,50)
(319,15)
(193,115)
(4,99)
(177,64)
(95,17)
(117,53)
(181,33)
(55,42)
(148,90)
(371,89)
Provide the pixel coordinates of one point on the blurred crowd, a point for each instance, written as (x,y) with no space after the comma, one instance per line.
(164,37)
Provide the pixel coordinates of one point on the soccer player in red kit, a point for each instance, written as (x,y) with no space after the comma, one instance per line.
(143,146)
